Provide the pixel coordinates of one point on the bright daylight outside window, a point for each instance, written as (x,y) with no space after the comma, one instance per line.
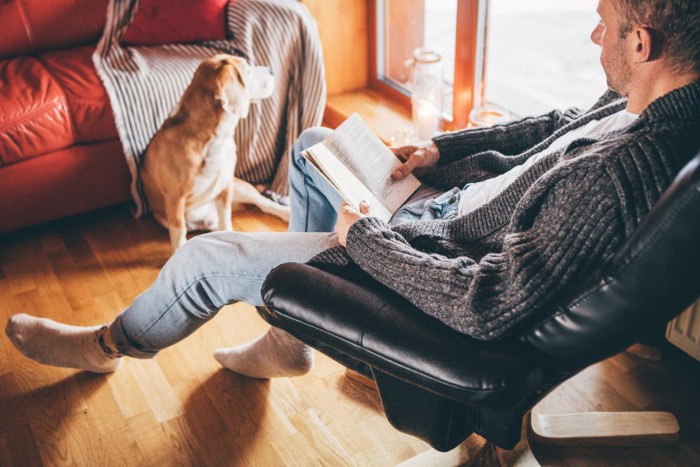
(538,53)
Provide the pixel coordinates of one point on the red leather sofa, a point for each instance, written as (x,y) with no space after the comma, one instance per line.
(59,151)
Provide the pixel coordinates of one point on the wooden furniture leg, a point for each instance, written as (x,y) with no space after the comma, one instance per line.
(588,429)
(605,428)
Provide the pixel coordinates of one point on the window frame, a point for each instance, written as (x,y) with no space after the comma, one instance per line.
(468,60)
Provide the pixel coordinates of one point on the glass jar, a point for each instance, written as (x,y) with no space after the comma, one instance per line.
(426,93)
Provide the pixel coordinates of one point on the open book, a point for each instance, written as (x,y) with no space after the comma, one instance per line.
(359,166)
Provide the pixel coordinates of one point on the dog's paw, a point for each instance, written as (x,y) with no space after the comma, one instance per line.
(276,198)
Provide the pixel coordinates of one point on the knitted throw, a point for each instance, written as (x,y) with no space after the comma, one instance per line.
(145,83)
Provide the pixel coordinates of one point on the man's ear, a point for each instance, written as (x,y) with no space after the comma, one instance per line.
(648,44)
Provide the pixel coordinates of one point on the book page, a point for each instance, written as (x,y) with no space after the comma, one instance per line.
(371,161)
(344,182)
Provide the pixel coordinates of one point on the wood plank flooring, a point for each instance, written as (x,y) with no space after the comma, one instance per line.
(182,409)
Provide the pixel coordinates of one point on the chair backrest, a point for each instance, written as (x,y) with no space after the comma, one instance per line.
(653,278)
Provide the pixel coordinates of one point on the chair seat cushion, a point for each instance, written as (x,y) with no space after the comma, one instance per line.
(369,323)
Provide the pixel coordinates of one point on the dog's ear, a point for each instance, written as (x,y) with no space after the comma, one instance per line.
(232,87)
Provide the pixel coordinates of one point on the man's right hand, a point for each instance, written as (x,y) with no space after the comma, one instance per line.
(415,158)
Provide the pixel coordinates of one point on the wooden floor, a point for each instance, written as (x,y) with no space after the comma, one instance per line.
(182,409)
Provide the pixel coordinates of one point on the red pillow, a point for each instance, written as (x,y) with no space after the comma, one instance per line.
(176,21)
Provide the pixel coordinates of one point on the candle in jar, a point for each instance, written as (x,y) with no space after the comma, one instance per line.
(426,120)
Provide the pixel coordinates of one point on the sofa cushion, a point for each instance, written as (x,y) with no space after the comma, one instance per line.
(176,21)
(34,116)
(88,103)
(51,102)
(30,26)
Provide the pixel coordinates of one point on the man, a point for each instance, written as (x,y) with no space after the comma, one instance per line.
(507,218)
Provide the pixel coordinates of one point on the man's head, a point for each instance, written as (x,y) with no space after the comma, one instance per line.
(635,33)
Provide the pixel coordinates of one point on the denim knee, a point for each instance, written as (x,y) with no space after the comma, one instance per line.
(205,248)
(306,139)
(180,296)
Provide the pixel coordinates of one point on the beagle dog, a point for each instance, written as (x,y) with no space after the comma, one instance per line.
(190,162)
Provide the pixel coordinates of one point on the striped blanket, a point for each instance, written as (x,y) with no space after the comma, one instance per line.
(145,83)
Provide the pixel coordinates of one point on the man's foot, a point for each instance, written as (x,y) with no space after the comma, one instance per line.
(51,343)
(275,354)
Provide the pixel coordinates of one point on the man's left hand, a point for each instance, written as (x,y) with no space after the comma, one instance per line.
(348,216)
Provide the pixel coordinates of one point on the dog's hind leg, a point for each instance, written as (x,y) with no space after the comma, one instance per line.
(177,227)
(223,207)
(245,193)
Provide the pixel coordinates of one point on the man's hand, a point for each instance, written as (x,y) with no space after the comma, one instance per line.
(415,158)
(348,216)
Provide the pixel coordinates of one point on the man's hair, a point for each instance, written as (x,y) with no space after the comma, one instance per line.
(675,22)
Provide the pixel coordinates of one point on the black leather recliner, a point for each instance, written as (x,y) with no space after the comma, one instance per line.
(442,386)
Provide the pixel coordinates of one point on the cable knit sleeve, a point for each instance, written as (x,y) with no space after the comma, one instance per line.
(561,229)
(511,138)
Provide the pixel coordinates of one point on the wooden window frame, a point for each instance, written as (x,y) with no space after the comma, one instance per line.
(467,60)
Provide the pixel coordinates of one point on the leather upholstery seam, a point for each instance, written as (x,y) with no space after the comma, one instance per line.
(29,116)
(25,21)
(69,108)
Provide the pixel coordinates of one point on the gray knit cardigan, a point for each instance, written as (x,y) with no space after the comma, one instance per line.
(484,272)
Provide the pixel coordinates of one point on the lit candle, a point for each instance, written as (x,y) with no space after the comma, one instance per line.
(426,120)
(488,116)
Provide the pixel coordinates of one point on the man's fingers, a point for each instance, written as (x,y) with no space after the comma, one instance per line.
(397,152)
(405,168)
(403,153)
(364,207)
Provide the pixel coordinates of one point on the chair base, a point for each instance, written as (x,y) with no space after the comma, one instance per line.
(588,429)
(604,428)
(575,429)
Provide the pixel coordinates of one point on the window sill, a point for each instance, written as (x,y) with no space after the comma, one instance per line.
(388,118)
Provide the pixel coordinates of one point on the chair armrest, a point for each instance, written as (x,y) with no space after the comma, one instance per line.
(370,323)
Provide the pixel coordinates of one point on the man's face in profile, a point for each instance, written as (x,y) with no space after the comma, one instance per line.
(613,50)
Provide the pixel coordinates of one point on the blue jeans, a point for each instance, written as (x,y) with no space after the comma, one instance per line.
(313,202)
(207,273)
(220,268)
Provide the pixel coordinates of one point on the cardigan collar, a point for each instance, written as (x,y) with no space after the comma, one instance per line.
(682,103)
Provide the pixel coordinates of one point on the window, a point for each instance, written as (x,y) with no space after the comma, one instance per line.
(408,24)
(404,25)
(525,56)
(540,56)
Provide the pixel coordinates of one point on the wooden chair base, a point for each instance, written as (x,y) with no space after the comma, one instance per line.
(576,429)
(589,429)
(604,428)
